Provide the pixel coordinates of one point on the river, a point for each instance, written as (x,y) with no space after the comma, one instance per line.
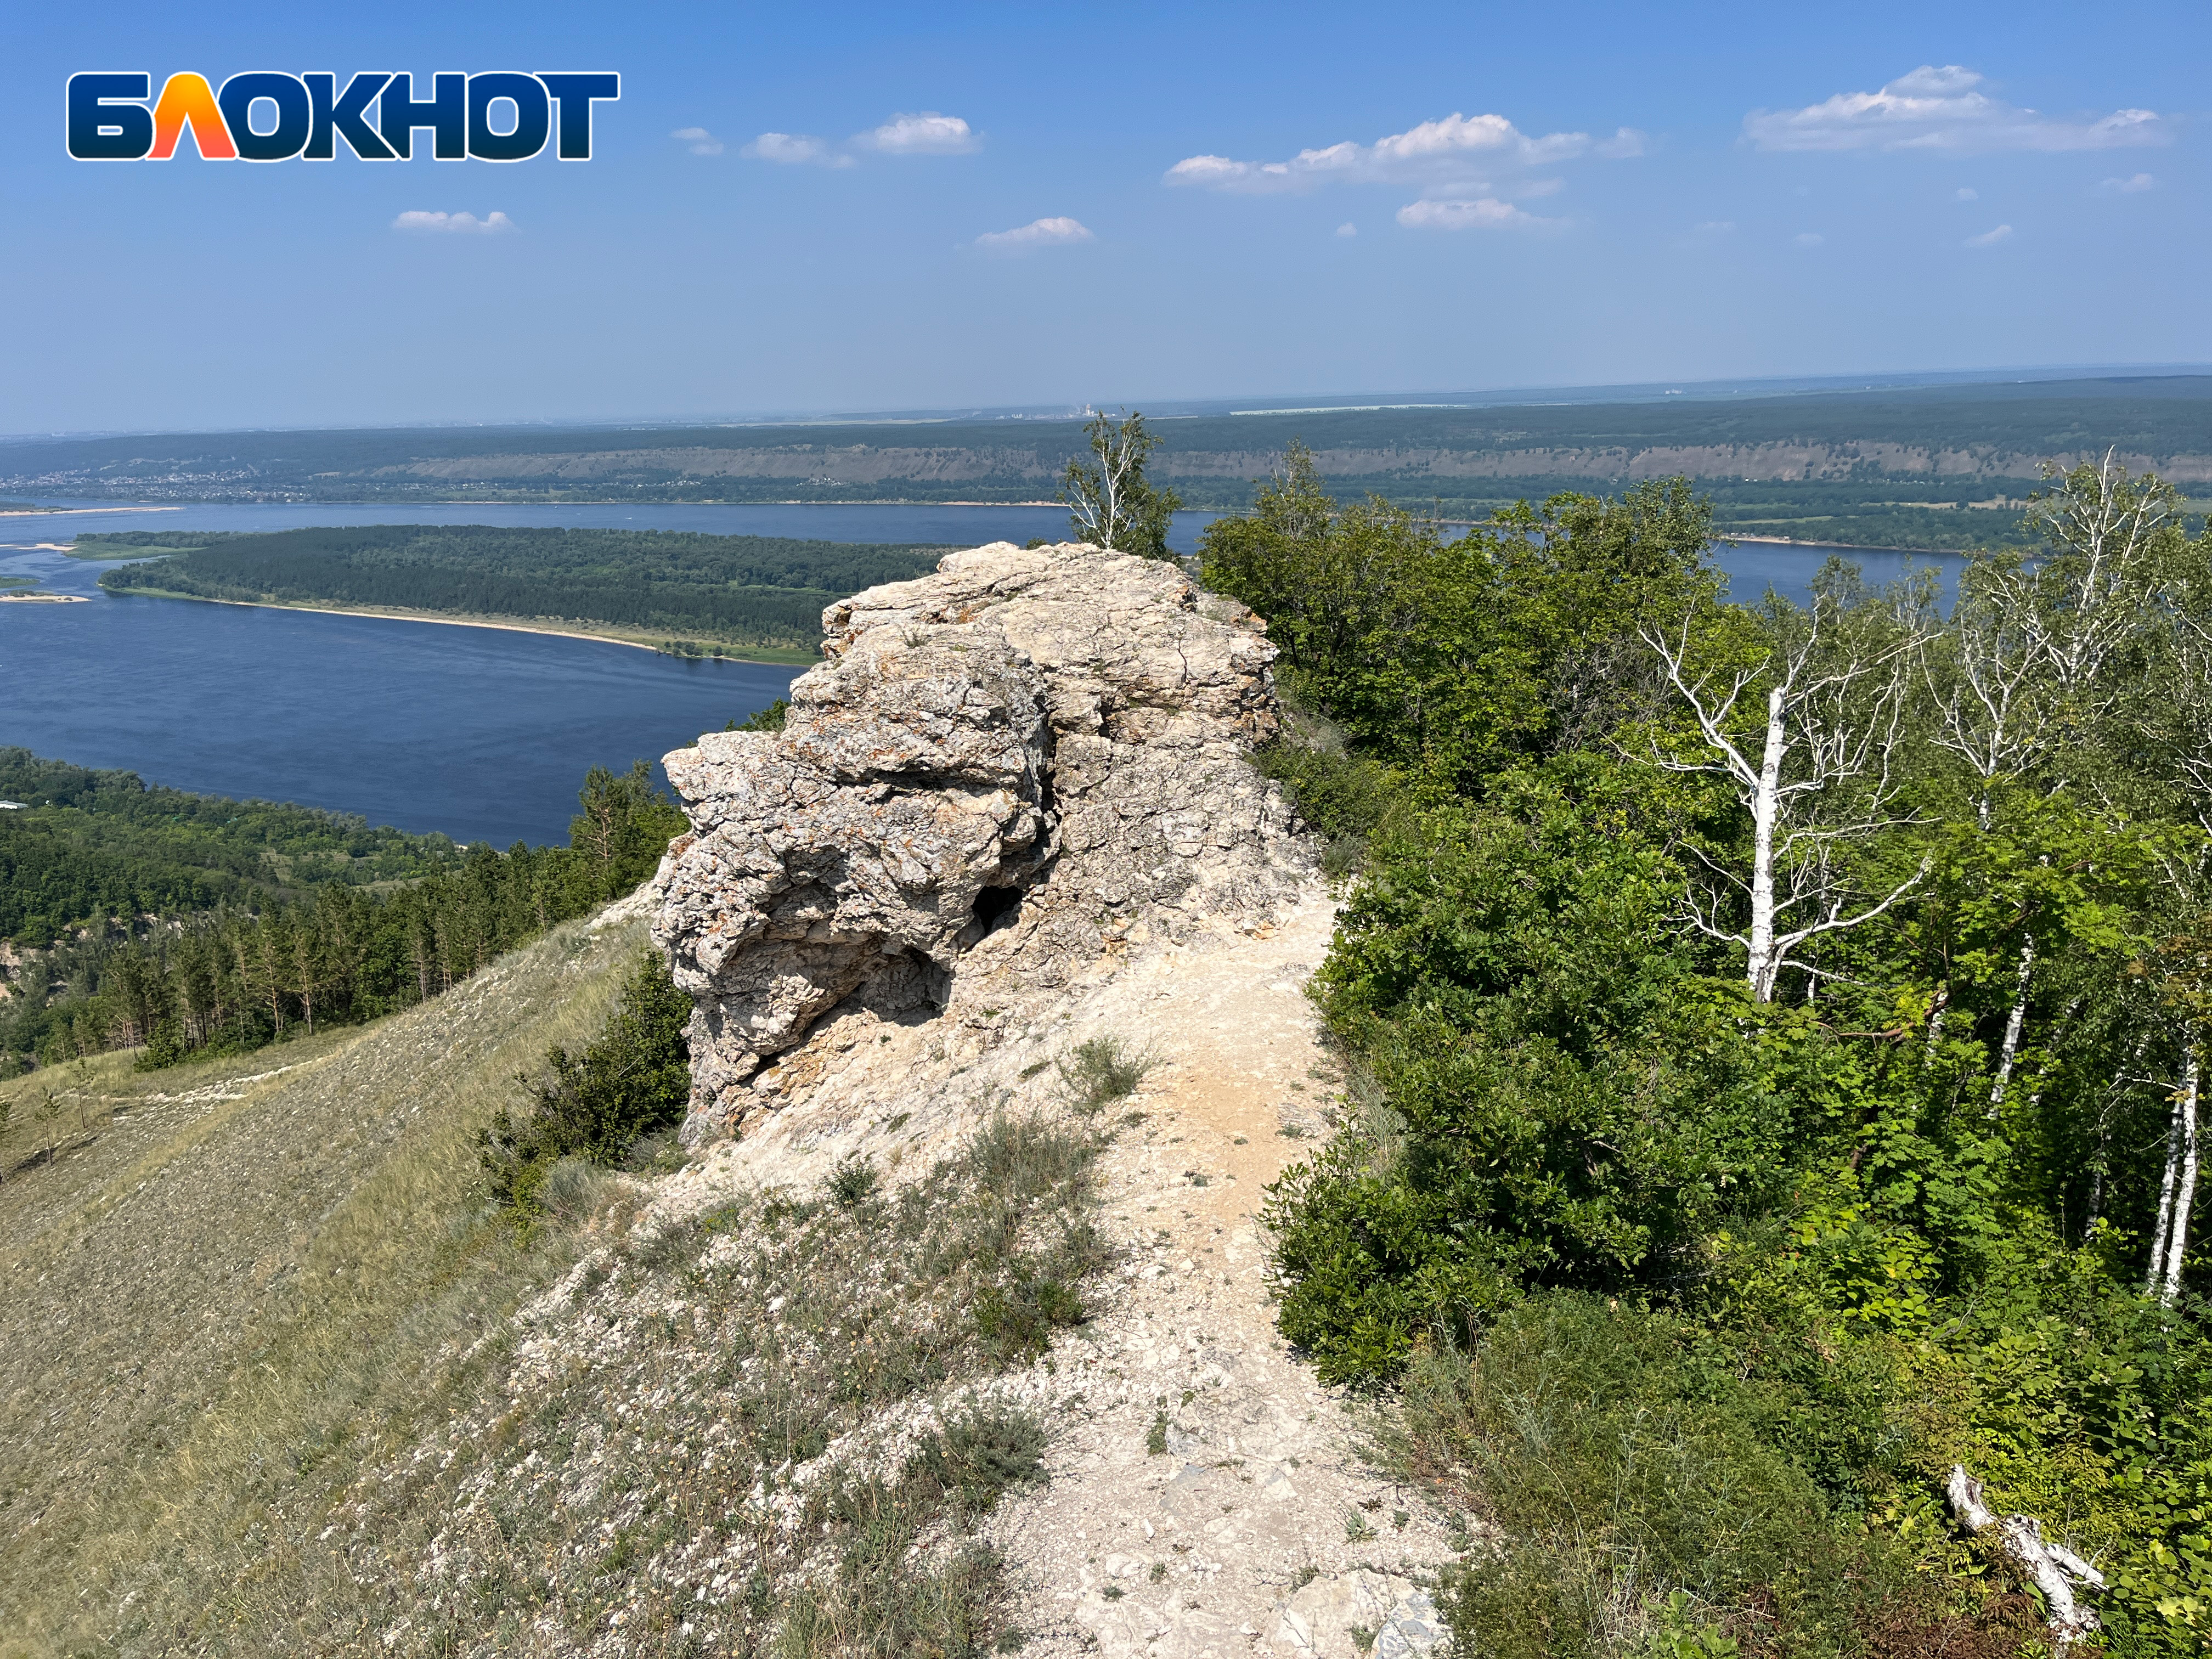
(480,733)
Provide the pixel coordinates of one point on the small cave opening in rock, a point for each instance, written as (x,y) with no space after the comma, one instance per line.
(998,907)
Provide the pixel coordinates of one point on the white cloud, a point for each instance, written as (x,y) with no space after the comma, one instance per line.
(1989,238)
(794,150)
(1483,213)
(1941,109)
(2130,186)
(1717,227)
(1347,228)
(464,223)
(702,142)
(1965,193)
(1435,150)
(1038,232)
(927,133)
(1808,238)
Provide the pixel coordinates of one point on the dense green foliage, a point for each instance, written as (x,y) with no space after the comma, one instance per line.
(192,981)
(631,1081)
(1733,1151)
(755,589)
(89,845)
(1635,1468)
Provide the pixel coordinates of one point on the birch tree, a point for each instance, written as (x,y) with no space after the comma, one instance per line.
(1110,502)
(2177,1194)
(2024,678)
(2028,659)
(1809,738)
(2104,531)
(1988,678)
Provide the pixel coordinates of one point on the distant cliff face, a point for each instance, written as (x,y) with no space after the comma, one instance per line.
(1390,466)
(1002,771)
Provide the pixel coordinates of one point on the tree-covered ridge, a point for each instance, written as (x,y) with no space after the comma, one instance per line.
(87,845)
(1936,466)
(755,589)
(1778,1038)
(200,969)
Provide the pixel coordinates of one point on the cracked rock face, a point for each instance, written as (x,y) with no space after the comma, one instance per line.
(1000,770)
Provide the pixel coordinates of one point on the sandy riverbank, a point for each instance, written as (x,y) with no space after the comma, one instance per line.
(48,512)
(730,653)
(1845,547)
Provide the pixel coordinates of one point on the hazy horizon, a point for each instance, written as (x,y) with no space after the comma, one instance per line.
(977,207)
(1197,408)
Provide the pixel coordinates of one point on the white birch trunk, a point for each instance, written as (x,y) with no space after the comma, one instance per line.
(1938,1006)
(2054,1568)
(2010,1051)
(2165,1204)
(1761,967)
(2183,1182)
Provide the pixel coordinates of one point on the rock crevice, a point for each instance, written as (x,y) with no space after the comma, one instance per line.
(999,770)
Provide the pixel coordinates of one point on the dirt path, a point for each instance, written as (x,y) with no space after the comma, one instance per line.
(1206,1498)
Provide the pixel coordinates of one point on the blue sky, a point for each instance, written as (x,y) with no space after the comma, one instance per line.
(1204,201)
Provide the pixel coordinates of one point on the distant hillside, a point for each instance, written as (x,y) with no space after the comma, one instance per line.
(652,585)
(84,845)
(1920,466)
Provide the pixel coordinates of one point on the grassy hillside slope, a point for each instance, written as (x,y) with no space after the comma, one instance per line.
(279,1376)
(231,1276)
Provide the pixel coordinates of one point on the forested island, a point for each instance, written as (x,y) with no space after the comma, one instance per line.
(1926,467)
(757,596)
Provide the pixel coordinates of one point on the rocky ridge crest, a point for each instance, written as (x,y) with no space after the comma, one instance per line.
(1002,771)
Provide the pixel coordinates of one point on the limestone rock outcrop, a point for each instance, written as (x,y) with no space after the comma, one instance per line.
(999,771)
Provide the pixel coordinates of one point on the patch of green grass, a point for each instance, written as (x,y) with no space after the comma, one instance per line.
(853,1182)
(980,1453)
(1097,1073)
(1626,1476)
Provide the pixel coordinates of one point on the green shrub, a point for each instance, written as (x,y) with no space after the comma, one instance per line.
(1343,796)
(1100,1071)
(770,719)
(632,1079)
(1560,1098)
(853,1182)
(1015,1317)
(974,1457)
(1643,1507)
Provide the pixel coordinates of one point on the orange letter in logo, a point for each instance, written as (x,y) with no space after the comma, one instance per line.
(188,98)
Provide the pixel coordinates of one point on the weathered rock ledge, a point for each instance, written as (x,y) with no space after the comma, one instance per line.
(1000,771)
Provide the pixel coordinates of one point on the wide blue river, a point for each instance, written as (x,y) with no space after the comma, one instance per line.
(482,734)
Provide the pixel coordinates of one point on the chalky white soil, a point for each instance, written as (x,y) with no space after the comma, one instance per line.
(1258,1530)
